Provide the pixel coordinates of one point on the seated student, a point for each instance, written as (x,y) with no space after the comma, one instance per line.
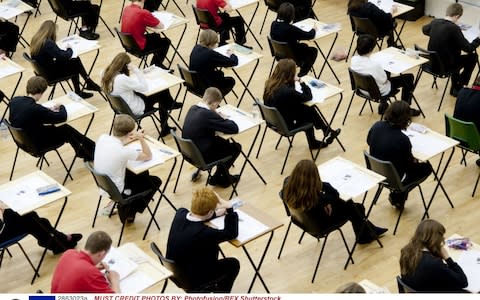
(425,264)
(90,12)
(361,63)
(446,38)
(207,62)
(201,124)
(12,225)
(111,157)
(9,35)
(152,5)
(280,93)
(193,245)
(116,80)
(388,142)
(57,62)
(467,107)
(80,271)
(36,121)
(135,21)
(318,203)
(282,30)
(303,9)
(219,10)
(382,21)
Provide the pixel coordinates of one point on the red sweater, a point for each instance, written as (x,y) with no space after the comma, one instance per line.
(135,20)
(212,6)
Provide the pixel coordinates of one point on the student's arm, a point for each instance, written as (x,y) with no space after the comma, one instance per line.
(146,153)
(299,34)
(464,44)
(138,84)
(223,5)
(450,274)
(218,123)
(46,115)
(378,14)
(54,51)
(150,20)
(219,60)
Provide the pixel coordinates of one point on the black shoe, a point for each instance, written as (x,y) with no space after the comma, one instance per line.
(177,105)
(84,95)
(76,237)
(454,92)
(92,86)
(478,162)
(89,35)
(317,145)
(196,175)
(382,107)
(367,239)
(234,178)
(165,131)
(219,181)
(379,231)
(414,112)
(332,135)
(397,202)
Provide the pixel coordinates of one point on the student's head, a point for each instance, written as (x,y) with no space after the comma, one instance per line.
(123,125)
(304,186)
(351,288)
(454,10)
(212,97)
(208,38)
(398,114)
(286,12)
(204,201)
(47,31)
(98,244)
(428,235)
(365,44)
(355,4)
(36,86)
(117,66)
(283,74)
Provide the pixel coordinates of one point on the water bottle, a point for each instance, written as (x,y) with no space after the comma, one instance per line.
(255,111)
(3,131)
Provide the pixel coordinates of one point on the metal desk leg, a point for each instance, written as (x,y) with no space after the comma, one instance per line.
(400,32)
(325,62)
(257,268)
(175,48)
(20,34)
(330,122)
(245,85)
(247,25)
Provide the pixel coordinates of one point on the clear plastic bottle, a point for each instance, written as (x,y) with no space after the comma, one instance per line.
(255,111)
(3,131)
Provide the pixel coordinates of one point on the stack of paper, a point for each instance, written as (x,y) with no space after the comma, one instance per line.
(248,227)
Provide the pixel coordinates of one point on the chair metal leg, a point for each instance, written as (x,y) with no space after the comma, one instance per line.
(178,176)
(278,142)
(443,94)
(96,211)
(284,239)
(301,238)
(319,258)
(164,286)
(121,233)
(271,68)
(398,220)
(261,141)
(288,152)
(350,48)
(181,108)
(476,184)
(348,108)
(14,162)
(263,22)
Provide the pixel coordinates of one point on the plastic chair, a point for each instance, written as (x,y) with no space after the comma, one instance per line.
(192,155)
(24,142)
(468,136)
(393,181)
(193,83)
(130,46)
(272,5)
(15,241)
(204,20)
(365,87)
(105,183)
(311,226)
(364,26)
(275,121)
(403,288)
(61,11)
(434,67)
(281,50)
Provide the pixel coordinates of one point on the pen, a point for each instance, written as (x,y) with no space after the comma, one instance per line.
(165,151)
(240,112)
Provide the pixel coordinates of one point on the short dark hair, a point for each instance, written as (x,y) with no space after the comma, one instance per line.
(98,241)
(454,9)
(398,114)
(212,95)
(123,125)
(286,12)
(365,44)
(36,85)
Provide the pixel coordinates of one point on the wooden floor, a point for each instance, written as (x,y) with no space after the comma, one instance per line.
(292,273)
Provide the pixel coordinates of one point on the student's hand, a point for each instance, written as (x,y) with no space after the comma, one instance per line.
(222,115)
(3,56)
(56,108)
(229,52)
(222,207)
(102,266)
(296,78)
(3,206)
(113,276)
(139,134)
(328,209)
(444,253)
(394,9)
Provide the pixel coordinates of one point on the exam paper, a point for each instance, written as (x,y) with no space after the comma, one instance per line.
(119,262)
(159,156)
(470,263)
(165,18)
(71,108)
(135,283)
(242,58)
(23,195)
(9,12)
(7,70)
(248,227)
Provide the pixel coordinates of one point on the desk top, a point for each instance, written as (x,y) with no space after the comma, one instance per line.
(13,8)
(9,68)
(319,94)
(159,80)
(148,272)
(75,109)
(386,6)
(323,29)
(243,58)
(168,20)
(237,4)
(469,261)
(243,119)
(429,144)
(396,61)
(372,288)
(21,194)
(161,153)
(78,44)
(348,178)
(470,32)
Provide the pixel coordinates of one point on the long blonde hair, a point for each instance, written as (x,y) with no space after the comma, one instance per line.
(284,74)
(117,66)
(304,186)
(47,31)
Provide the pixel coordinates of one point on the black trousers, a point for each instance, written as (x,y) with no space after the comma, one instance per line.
(467,63)
(414,172)
(158,44)
(152,5)
(219,149)
(229,23)
(164,100)
(220,277)
(310,115)
(303,9)
(8,36)
(90,12)
(305,56)
(31,223)
(71,67)
(224,84)
(405,82)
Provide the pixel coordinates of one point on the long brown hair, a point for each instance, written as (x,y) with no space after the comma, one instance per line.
(117,66)
(428,235)
(284,73)
(47,31)
(355,4)
(304,186)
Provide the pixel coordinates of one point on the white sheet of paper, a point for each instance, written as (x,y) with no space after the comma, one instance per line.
(318,93)
(77,44)
(425,144)
(248,227)
(165,18)
(304,26)
(470,263)
(119,262)
(8,12)
(71,108)
(135,283)
(242,119)
(7,70)
(242,59)
(158,156)
(471,33)
(23,195)
(154,83)
(385,5)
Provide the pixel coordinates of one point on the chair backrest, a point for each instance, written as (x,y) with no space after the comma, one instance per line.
(280,50)
(128,42)
(12,241)
(365,85)
(273,118)
(23,140)
(119,106)
(59,9)
(204,18)
(364,26)
(464,132)
(273,5)
(403,287)
(435,64)
(193,82)
(189,151)
(37,68)
(386,169)
(105,183)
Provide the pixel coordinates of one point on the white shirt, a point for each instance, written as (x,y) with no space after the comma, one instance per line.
(111,158)
(125,86)
(364,65)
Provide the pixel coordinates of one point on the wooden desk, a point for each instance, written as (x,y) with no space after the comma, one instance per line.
(324,30)
(352,180)
(80,46)
(9,68)
(239,4)
(372,288)
(159,80)
(244,59)
(468,260)
(262,224)
(21,195)
(12,9)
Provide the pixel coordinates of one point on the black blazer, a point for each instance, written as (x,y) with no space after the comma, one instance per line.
(383,21)
(32,117)
(467,107)
(50,55)
(205,61)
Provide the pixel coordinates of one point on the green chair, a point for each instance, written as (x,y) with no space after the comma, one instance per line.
(468,136)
